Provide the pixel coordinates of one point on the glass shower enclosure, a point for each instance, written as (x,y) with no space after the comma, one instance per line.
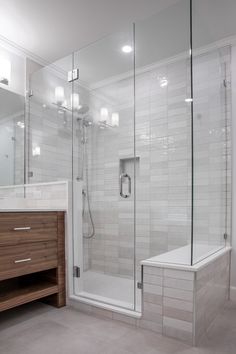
(134,166)
(139,123)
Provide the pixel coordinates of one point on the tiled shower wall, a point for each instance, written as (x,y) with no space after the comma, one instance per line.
(163,159)
(163,163)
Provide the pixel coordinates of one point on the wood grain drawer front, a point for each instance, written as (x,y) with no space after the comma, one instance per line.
(28,258)
(16,228)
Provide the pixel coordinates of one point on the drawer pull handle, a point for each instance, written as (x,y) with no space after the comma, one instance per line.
(22,228)
(23,260)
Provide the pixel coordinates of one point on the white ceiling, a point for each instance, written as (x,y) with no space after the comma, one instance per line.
(52,29)
(164,34)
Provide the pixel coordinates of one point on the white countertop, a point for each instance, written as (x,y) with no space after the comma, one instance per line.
(180,258)
(29,210)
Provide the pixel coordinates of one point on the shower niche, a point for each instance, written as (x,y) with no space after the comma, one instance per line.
(128,170)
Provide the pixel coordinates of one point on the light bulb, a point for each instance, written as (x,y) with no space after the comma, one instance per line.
(115,119)
(74,98)
(59,95)
(104,114)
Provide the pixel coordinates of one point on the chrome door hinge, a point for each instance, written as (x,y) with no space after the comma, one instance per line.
(73,75)
(76,272)
(30,174)
(139,285)
(225,236)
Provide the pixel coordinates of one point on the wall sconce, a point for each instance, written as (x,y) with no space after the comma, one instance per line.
(74,98)
(59,95)
(5,71)
(104,114)
(115,119)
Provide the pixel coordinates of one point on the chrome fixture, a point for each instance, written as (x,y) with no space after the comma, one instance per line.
(22,228)
(122,178)
(22,260)
(84,122)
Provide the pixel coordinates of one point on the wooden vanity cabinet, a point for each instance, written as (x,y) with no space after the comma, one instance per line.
(32,258)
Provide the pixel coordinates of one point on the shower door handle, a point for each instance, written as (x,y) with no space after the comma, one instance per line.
(122,177)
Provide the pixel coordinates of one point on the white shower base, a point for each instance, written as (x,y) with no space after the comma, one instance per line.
(110,289)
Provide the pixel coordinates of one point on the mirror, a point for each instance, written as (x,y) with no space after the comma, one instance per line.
(12,124)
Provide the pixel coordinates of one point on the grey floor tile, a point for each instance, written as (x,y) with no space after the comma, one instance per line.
(41,329)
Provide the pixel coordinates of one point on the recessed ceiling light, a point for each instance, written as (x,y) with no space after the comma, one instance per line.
(127,48)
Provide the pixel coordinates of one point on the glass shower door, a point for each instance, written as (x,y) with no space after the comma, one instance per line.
(104,171)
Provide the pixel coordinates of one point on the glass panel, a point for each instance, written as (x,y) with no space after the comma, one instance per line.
(103,101)
(50,124)
(12,124)
(211,124)
(163,136)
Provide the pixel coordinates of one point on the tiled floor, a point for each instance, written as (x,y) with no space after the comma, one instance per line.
(40,329)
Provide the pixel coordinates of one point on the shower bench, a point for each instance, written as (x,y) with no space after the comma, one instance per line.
(32,258)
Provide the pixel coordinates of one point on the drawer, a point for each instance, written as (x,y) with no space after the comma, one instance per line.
(17,228)
(27,258)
